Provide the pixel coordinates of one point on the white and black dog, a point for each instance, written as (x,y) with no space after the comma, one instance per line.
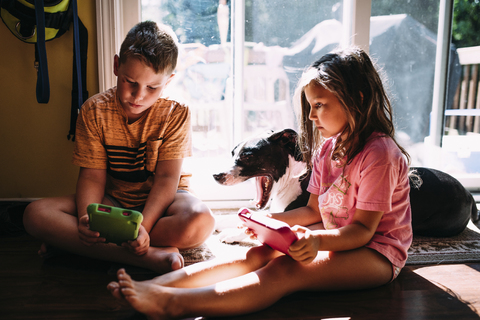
(441,206)
(275,162)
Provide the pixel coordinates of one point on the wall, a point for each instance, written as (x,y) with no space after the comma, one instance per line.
(35,156)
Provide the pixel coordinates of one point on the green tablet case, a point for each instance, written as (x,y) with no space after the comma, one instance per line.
(116,225)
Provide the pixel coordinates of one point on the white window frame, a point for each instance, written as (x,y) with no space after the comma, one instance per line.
(114,19)
(113,23)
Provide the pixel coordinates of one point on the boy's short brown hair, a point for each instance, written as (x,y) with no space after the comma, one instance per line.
(155,46)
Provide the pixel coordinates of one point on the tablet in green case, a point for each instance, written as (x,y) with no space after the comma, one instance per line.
(116,225)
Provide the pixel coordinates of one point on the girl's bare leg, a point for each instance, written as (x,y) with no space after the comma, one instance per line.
(54,221)
(208,273)
(357,269)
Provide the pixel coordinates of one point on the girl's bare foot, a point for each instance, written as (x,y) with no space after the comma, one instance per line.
(145,297)
(115,288)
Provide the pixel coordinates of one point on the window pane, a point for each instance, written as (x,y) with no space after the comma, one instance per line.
(461,142)
(282,38)
(403,42)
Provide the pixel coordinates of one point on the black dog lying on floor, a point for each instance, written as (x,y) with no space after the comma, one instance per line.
(441,206)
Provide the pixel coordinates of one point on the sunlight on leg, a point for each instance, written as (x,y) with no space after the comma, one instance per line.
(237,283)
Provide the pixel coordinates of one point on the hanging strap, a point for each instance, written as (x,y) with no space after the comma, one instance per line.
(79,92)
(76,52)
(43,85)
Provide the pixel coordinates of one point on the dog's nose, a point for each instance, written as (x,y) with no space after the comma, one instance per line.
(220,177)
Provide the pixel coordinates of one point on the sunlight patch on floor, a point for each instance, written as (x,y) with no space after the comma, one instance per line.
(448,278)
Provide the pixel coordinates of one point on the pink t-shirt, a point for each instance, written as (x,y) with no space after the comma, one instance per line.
(376,180)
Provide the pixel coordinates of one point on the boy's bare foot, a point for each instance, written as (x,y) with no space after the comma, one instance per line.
(161,260)
(144,296)
(42,252)
(164,260)
(47,251)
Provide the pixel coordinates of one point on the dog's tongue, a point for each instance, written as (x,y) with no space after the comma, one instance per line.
(260,200)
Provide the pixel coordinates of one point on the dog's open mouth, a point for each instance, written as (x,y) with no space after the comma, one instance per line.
(264,186)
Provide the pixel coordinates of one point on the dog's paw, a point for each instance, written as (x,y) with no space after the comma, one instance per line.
(231,235)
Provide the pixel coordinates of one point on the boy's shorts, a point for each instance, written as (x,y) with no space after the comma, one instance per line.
(138,208)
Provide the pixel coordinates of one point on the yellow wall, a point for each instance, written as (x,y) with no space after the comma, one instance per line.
(35,155)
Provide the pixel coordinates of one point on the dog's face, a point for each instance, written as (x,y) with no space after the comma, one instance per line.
(264,158)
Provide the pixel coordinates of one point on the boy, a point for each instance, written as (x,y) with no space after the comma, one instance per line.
(130,145)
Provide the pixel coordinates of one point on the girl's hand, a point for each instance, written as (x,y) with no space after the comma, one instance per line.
(140,245)
(87,236)
(305,249)
(251,233)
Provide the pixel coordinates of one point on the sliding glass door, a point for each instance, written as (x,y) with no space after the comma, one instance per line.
(241,59)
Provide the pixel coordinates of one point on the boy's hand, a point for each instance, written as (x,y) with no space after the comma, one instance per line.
(305,249)
(140,245)
(87,236)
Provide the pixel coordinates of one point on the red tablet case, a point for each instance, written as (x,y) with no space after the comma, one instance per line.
(274,233)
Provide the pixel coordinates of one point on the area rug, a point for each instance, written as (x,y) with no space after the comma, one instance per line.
(462,248)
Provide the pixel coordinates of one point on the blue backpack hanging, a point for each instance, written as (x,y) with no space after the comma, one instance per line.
(37,21)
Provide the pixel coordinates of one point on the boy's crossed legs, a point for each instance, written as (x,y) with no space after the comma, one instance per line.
(250,284)
(187,223)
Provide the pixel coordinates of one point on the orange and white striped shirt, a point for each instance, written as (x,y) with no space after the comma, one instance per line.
(129,152)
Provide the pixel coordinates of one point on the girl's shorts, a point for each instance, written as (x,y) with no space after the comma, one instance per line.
(396,272)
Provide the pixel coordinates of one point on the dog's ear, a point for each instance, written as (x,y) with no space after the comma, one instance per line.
(285,137)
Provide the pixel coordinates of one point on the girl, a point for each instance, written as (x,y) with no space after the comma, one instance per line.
(358,214)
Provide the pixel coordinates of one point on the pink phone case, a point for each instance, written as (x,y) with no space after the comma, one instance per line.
(274,233)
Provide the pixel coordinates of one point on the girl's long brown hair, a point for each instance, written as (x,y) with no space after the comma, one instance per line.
(350,74)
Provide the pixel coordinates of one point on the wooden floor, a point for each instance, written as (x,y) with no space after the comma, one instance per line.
(72,287)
